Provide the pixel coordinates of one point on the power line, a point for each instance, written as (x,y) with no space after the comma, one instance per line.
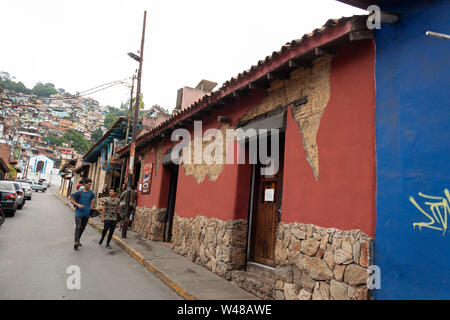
(116,82)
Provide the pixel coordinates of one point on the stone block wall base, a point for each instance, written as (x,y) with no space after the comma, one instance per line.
(150,222)
(321,264)
(311,263)
(214,244)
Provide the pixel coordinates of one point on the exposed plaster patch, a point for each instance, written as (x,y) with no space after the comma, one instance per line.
(314,83)
(200,171)
(159,155)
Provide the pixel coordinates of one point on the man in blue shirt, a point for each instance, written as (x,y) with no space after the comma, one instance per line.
(82,200)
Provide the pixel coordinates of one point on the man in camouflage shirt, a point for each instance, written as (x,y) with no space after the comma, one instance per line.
(109,216)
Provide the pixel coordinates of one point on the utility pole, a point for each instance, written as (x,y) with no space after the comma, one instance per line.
(134,133)
(130,111)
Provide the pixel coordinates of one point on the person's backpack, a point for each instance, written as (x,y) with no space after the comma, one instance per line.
(94,213)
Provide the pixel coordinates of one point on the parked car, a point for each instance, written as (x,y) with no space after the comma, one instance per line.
(38,186)
(20,195)
(44,182)
(26,187)
(2,216)
(8,198)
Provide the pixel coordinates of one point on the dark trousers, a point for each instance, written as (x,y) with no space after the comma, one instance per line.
(80,225)
(110,225)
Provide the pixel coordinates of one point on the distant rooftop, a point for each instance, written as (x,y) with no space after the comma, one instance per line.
(206,85)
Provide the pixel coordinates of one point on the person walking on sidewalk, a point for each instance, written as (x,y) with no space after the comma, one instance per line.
(82,200)
(123,198)
(109,216)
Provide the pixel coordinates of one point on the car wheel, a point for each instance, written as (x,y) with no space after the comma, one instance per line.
(20,207)
(12,213)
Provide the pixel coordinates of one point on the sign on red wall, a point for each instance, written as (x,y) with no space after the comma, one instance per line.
(147,178)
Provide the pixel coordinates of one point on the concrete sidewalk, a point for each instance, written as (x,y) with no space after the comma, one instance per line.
(188,279)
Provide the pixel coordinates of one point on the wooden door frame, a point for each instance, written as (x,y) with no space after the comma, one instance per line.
(250,215)
(254,198)
(173,187)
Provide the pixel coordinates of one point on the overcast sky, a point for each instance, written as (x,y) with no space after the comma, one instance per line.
(78,45)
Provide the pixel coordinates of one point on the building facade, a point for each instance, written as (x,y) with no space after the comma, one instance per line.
(305,231)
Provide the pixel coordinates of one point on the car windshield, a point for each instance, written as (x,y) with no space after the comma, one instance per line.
(7,186)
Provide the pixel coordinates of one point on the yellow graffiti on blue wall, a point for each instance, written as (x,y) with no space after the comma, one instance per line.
(438,211)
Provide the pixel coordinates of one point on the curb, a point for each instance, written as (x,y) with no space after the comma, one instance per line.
(140,259)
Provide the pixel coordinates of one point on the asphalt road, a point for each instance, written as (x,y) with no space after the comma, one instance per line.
(36,250)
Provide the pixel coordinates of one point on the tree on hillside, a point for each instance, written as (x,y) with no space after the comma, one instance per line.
(112,116)
(97,134)
(5,76)
(7,82)
(73,138)
(44,90)
(77,140)
(54,141)
(126,105)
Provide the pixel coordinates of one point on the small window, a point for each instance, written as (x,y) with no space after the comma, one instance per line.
(5,185)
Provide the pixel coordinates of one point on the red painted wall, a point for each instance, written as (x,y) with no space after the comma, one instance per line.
(344,195)
(159,188)
(226,198)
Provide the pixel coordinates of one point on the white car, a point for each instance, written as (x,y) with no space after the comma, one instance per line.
(27,189)
(37,186)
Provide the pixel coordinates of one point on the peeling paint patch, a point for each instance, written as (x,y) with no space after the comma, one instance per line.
(308,116)
(159,155)
(200,171)
(313,83)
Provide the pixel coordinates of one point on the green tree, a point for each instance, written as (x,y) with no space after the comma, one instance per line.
(54,141)
(7,82)
(97,134)
(5,76)
(112,116)
(77,141)
(44,90)
(73,138)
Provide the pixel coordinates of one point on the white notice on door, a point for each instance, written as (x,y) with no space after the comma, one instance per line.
(269,195)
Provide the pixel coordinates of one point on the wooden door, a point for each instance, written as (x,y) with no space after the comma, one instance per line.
(266,212)
(171,203)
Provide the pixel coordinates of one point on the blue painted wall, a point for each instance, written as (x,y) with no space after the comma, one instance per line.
(413,152)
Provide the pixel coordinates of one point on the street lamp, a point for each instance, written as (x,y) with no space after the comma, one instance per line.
(134,56)
(135,120)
